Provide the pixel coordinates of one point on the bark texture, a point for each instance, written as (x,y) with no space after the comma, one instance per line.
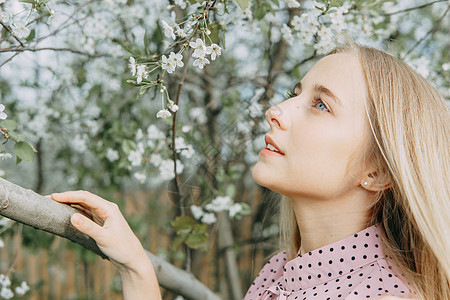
(30,208)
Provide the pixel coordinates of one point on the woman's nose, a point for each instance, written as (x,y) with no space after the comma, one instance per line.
(274,117)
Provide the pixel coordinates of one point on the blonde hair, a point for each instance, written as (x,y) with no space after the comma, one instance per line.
(410,126)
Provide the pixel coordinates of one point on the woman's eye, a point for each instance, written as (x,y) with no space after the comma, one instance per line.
(318,104)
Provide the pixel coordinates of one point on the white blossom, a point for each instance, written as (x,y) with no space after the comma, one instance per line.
(209,218)
(2,244)
(6,17)
(235,209)
(168,30)
(215,51)
(287,34)
(292,3)
(177,59)
(155,159)
(166,169)
(154,133)
(22,289)
(198,114)
(173,107)
(247,14)
(139,134)
(140,177)
(141,72)
(200,49)
(5,156)
(6,293)
(181,3)
(135,157)
(255,109)
(167,64)
(180,32)
(20,30)
(4,280)
(219,204)
(201,62)
(112,155)
(2,114)
(186,128)
(133,66)
(188,151)
(163,113)
(197,212)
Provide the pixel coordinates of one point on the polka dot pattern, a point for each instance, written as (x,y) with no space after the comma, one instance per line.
(352,268)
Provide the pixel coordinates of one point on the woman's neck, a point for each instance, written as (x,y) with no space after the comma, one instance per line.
(322,222)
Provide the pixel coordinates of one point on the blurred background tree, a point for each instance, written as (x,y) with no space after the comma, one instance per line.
(118,96)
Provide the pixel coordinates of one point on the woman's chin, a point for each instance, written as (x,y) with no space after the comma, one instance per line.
(262,177)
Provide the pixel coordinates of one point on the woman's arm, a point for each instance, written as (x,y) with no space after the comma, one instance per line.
(115,239)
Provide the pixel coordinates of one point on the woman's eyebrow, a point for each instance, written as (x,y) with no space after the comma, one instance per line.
(322,89)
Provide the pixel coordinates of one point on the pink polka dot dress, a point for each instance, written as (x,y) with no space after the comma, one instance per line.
(352,268)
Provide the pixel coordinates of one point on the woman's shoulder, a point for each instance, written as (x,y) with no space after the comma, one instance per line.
(274,266)
(270,272)
(383,279)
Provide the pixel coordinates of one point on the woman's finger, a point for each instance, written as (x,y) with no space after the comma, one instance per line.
(87,226)
(86,199)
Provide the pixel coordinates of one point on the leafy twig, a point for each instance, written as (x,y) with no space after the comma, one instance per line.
(12,34)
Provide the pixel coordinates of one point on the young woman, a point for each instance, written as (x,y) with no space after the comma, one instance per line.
(360,152)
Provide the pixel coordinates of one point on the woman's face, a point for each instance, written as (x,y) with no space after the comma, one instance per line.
(321,133)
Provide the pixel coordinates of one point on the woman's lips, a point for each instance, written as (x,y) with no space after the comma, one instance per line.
(267,152)
(272,146)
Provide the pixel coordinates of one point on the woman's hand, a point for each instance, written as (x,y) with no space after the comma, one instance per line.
(108,228)
(115,239)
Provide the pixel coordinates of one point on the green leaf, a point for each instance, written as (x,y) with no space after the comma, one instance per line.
(337,3)
(32,35)
(8,124)
(231,191)
(183,224)
(276,2)
(24,151)
(245,209)
(197,240)
(260,12)
(178,241)
(243,4)
(200,228)
(128,145)
(17,137)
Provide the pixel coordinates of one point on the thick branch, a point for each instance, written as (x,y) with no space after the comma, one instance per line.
(27,207)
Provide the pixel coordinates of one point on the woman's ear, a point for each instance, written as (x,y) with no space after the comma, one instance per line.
(377,181)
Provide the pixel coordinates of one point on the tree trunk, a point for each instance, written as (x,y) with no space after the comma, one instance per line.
(27,207)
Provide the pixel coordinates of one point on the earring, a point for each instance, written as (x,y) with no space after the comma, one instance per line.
(365,183)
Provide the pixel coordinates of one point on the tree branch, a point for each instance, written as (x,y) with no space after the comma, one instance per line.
(413,8)
(32,49)
(431,31)
(27,207)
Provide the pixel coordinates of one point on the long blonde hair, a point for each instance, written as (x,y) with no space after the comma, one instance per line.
(410,125)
